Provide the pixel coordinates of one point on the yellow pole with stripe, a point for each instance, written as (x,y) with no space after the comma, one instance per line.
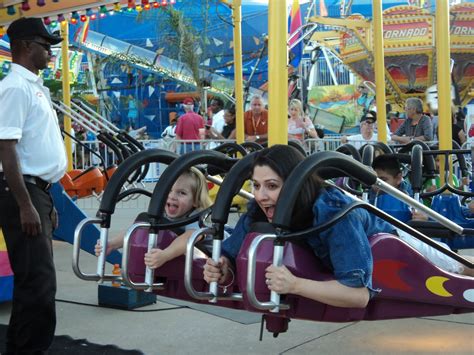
(277,73)
(443,60)
(238,80)
(66,89)
(379,64)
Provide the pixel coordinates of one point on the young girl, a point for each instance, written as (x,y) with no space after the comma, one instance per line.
(189,193)
(298,124)
(343,248)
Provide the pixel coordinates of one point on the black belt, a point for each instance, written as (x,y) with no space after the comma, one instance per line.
(43,185)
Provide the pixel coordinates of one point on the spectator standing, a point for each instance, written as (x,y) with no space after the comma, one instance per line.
(169,133)
(32,155)
(188,127)
(299,125)
(216,115)
(229,129)
(132,112)
(417,126)
(256,121)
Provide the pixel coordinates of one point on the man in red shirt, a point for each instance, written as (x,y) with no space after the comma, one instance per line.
(188,127)
(256,121)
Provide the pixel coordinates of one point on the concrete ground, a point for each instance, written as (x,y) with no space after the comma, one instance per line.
(165,328)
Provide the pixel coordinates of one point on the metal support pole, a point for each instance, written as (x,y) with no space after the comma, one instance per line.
(277,73)
(66,90)
(379,70)
(329,65)
(238,79)
(444,81)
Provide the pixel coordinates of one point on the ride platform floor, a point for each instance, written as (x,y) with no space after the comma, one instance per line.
(169,328)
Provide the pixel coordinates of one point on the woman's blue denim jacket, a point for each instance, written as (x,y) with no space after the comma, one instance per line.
(343,248)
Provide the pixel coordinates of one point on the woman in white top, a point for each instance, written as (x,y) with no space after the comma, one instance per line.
(169,134)
(298,124)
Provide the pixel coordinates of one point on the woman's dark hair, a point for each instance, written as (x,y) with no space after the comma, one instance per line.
(283,159)
(219,101)
(231,110)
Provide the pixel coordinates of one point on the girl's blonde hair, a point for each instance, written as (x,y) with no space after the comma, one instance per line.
(199,189)
(297,103)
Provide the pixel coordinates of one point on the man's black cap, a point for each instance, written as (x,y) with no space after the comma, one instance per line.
(371,116)
(29,28)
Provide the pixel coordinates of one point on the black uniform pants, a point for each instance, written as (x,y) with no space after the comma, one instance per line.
(33,315)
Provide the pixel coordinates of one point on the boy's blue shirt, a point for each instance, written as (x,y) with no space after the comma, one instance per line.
(404,186)
(466,212)
(392,205)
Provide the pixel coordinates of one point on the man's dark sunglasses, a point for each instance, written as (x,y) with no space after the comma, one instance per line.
(46,46)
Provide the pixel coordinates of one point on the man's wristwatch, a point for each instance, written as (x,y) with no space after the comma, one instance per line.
(257,137)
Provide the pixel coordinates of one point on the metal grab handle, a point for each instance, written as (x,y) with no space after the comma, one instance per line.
(98,276)
(274,304)
(148,286)
(277,261)
(104,237)
(149,272)
(76,249)
(216,254)
(188,271)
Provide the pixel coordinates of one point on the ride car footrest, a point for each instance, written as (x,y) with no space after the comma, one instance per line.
(124,297)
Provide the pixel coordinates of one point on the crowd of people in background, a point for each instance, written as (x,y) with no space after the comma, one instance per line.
(415,123)
(219,124)
(194,126)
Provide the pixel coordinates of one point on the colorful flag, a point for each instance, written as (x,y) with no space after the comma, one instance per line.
(82,32)
(294,25)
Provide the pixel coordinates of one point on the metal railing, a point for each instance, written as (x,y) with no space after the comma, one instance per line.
(84,159)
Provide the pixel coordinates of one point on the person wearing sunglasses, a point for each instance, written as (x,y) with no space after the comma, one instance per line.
(367,131)
(32,157)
